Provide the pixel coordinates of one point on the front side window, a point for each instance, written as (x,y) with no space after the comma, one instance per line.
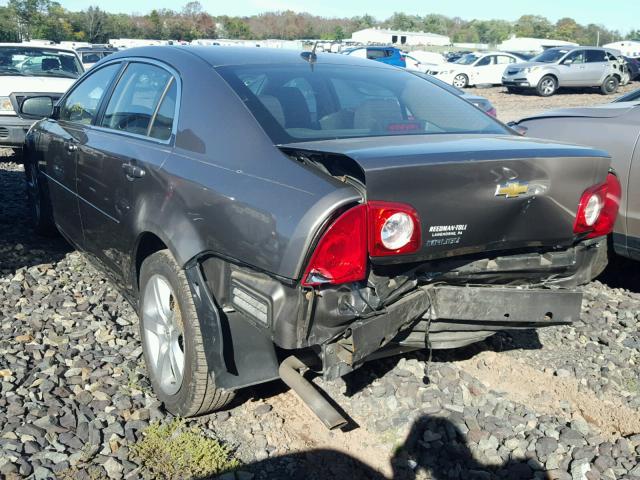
(577,57)
(351,102)
(81,104)
(135,99)
(39,62)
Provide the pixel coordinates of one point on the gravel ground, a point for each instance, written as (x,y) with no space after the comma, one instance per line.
(516,106)
(560,403)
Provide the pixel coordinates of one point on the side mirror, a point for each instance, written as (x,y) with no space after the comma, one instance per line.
(568,62)
(37,107)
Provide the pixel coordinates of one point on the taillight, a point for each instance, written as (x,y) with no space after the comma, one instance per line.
(394,229)
(341,253)
(598,208)
(377,229)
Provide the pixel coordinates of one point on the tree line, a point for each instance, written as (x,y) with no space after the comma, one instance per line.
(47,19)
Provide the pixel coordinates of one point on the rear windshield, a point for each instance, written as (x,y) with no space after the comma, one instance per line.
(320,102)
(39,62)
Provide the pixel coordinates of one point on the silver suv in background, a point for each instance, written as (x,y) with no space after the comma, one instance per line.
(565,67)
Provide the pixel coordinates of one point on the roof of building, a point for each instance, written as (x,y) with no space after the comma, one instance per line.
(401,32)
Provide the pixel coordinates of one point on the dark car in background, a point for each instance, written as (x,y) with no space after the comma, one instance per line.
(612,127)
(269,210)
(629,97)
(633,65)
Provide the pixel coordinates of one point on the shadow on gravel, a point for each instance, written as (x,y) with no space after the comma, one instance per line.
(434,445)
(621,272)
(19,245)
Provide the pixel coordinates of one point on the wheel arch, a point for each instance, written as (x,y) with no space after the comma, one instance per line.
(147,244)
(552,75)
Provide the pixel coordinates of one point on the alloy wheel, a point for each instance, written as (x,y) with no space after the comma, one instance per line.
(162,323)
(460,81)
(548,86)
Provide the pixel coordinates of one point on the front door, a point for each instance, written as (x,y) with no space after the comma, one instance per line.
(573,69)
(61,141)
(129,142)
(482,70)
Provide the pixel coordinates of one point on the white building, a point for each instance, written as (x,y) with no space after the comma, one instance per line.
(122,43)
(387,37)
(524,44)
(628,48)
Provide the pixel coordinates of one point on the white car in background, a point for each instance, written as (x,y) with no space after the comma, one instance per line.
(31,71)
(476,68)
(423,61)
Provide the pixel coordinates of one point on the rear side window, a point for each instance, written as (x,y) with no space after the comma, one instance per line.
(594,56)
(135,100)
(373,54)
(162,124)
(81,104)
(503,59)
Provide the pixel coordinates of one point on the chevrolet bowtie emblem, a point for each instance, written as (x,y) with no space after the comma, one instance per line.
(512,189)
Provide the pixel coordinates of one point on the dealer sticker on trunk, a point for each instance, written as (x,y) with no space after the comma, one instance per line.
(445,234)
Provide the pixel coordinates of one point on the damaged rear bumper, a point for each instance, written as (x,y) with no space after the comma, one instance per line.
(444,316)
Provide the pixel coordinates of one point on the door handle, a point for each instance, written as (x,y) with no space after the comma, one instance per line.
(133,171)
(71,147)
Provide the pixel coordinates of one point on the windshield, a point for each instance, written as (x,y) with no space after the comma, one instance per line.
(321,102)
(550,56)
(467,59)
(30,61)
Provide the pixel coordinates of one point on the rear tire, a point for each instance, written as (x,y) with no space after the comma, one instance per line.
(39,202)
(172,341)
(547,86)
(610,85)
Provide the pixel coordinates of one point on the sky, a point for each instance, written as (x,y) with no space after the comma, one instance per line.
(623,15)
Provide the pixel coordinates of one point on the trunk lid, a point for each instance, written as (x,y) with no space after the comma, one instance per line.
(474,193)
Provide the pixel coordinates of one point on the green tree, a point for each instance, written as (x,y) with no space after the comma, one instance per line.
(8,28)
(534,26)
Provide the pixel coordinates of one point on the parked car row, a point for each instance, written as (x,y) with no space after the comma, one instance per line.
(267,211)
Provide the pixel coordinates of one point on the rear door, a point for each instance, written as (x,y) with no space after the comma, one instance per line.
(501,64)
(61,138)
(131,138)
(595,67)
(483,70)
